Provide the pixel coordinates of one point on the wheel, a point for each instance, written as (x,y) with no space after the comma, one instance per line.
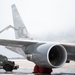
(36,69)
(44,70)
(7,67)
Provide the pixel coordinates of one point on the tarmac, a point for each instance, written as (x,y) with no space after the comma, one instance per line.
(26,68)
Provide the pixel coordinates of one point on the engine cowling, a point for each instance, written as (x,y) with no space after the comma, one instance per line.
(49,55)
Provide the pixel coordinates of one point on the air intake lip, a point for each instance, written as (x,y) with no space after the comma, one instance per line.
(56,56)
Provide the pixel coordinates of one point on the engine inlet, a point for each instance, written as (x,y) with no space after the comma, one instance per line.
(57,56)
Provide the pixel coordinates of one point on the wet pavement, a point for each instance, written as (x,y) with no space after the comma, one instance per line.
(26,68)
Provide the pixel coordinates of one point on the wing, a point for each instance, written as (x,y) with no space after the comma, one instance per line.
(48,50)
(16,42)
(16,45)
(25,42)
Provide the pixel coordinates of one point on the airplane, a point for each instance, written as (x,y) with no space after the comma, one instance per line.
(46,55)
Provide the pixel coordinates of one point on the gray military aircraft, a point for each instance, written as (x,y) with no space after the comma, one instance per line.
(46,55)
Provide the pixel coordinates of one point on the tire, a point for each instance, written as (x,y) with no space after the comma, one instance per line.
(7,67)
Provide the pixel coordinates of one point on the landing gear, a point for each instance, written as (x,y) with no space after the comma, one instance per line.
(38,69)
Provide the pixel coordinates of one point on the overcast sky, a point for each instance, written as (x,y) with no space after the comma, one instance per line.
(39,16)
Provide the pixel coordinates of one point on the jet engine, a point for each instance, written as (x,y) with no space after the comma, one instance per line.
(49,55)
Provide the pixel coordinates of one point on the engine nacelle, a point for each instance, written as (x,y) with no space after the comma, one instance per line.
(49,55)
